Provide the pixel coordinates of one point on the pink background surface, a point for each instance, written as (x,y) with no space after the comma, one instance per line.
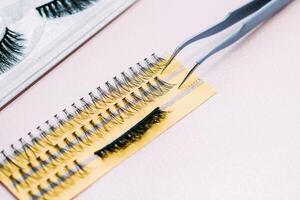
(242,144)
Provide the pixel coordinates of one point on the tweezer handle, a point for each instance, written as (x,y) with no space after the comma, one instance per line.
(263,14)
(232,18)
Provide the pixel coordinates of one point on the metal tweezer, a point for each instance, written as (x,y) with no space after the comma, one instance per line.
(252,14)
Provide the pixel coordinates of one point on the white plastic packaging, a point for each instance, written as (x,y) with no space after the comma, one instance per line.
(48,41)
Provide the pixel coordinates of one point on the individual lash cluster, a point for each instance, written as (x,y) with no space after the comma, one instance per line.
(57,148)
(11,49)
(60,8)
(62,180)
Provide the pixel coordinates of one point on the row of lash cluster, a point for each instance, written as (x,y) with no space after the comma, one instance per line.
(61,181)
(87,124)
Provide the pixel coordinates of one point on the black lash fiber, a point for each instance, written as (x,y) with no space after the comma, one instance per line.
(11,49)
(61,180)
(60,8)
(134,134)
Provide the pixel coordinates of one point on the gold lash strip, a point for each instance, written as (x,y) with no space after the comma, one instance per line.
(64,159)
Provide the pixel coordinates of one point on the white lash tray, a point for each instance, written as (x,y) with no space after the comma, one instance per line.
(52,41)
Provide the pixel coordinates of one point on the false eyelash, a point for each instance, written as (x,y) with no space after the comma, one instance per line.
(60,8)
(62,181)
(52,161)
(27,178)
(62,154)
(134,134)
(113,118)
(124,106)
(11,49)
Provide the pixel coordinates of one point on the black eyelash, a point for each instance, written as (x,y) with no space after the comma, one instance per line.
(134,134)
(11,49)
(60,8)
(75,170)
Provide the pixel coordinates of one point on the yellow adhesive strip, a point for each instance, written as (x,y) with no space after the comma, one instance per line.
(63,164)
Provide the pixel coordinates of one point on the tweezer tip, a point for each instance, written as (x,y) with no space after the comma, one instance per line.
(169,61)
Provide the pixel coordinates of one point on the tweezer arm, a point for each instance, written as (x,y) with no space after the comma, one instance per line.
(262,15)
(232,18)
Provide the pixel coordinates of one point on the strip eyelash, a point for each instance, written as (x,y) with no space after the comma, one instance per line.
(60,8)
(134,134)
(11,49)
